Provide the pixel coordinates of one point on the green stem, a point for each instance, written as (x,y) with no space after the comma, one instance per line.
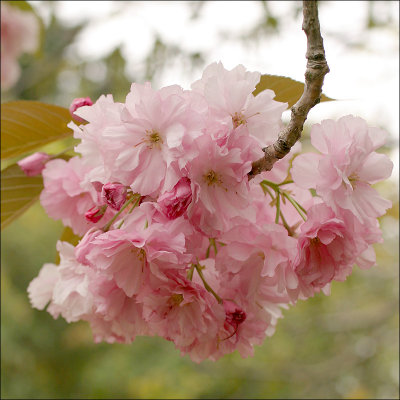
(278,207)
(107,226)
(284,183)
(296,205)
(212,242)
(286,225)
(190,273)
(206,285)
(270,184)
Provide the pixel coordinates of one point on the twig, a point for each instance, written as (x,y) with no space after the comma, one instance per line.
(316,70)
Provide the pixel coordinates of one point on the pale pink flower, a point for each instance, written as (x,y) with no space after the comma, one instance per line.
(65,286)
(129,254)
(175,202)
(230,99)
(183,312)
(19,34)
(342,175)
(34,164)
(327,250)
(40,290)
(77,103)
(152,137)
(116,316)
(66,194)
(220,186)
(98,150)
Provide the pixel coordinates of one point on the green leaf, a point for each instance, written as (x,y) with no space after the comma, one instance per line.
(286,90)
(22,5)
(28,125)
(69,236)
(18,193)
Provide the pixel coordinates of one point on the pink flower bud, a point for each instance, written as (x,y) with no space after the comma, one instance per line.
(79,102)
(95,213)
(175,202)
(234,315)
(114,194)
(34,164)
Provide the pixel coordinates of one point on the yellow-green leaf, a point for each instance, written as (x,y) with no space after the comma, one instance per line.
(28,125)
(22,5)
(18,193)
(286,90)
(69,236)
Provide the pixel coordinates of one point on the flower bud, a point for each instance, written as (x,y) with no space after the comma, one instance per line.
(79,102)
(175,202)
(95,213)
(234,315)
(34,164)
(114,194)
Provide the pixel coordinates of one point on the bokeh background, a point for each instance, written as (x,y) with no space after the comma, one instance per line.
(342,346)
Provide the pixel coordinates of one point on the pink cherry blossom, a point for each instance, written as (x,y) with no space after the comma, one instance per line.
(66,194)
(327,250)
(183,312)
(177,242)
(65,286)
(34,164)
(230,99)
(342,175)
(219,177)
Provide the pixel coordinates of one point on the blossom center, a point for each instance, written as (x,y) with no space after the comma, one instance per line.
(353,178)
(212,178)
(154,139)
(176,299)
(238,119)
(315,241)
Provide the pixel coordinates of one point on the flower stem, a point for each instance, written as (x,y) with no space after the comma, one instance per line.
(278,207)
(109,223)
(206,285)
(297,206)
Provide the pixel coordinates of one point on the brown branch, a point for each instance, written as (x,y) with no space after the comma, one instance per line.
(316,70)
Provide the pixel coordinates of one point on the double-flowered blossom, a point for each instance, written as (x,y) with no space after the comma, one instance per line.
(176,242)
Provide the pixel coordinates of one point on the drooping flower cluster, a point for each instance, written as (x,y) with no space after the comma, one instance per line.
(19,34)
(177,242)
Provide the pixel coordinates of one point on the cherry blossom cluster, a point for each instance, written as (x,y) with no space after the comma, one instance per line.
(175,239)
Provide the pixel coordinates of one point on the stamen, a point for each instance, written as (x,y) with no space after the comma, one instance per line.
(212,178)
(238,119)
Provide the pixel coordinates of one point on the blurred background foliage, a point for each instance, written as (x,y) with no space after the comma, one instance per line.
(341,346)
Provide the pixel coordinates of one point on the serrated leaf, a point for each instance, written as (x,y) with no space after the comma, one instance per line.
(287,90)
(69,236)
(18,193)
(28,125)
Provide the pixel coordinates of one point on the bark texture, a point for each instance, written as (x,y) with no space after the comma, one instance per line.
(317,68)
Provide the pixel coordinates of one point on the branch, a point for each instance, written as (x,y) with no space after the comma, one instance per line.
(316,70)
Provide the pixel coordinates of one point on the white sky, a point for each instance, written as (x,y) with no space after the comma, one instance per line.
(366,81)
